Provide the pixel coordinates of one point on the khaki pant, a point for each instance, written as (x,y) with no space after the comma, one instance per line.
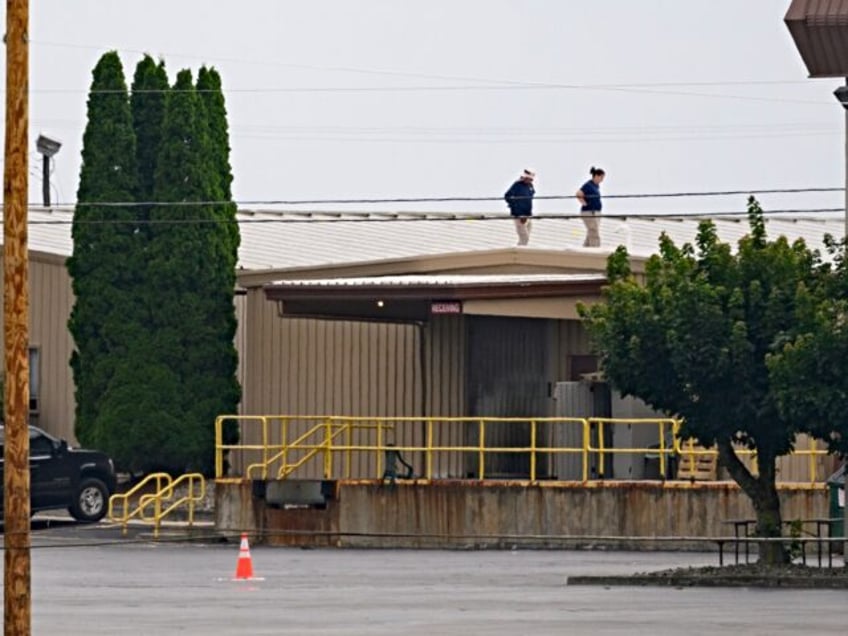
(522,228)
(593,229)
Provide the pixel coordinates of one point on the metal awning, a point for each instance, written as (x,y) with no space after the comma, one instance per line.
(820,31)
(417,298)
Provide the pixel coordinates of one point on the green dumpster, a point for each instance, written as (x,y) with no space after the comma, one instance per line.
(836,485)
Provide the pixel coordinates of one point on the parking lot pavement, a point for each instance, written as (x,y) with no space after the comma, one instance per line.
(58,528)
(137,587)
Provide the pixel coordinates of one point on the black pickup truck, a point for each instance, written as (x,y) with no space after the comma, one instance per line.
(61,477)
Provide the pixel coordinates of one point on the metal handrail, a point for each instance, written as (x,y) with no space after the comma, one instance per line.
(124,498)
(287,469)
(335,428)
(266,461)
(166,493)
(299,444)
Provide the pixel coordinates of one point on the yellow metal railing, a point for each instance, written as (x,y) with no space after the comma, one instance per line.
(154,506)
(122,501)
(285,444)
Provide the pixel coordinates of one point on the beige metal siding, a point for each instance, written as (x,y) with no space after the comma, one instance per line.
(298,366)
(240,303)
(805,468)
(50,307)
(445,346)
(573,340)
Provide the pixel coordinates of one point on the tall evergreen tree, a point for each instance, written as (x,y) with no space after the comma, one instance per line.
(209,88)
(104,267)
(189,357)
(149,90)
(214,111)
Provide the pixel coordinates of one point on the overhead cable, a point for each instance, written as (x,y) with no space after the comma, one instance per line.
(448,199)
(804,214)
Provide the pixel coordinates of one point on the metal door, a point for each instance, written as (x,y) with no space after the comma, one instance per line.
(584,400)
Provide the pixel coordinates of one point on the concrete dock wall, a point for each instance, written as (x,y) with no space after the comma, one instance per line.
(493,514)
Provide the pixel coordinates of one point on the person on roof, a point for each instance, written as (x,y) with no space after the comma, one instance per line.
(589,196)
(519,198)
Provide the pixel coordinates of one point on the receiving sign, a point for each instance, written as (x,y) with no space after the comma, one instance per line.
(448,307)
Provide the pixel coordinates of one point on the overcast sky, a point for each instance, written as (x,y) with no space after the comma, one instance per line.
(455,97)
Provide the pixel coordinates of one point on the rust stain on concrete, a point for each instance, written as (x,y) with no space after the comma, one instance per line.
(417,513)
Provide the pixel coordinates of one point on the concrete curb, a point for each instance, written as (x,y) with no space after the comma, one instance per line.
(788,582)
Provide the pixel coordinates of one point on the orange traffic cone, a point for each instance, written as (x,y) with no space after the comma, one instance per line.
(244,567)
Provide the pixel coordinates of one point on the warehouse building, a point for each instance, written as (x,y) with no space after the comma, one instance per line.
(391,314)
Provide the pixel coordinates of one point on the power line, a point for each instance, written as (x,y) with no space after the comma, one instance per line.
(636,88)
(655,88)
(812,214)
(647,129)
(450,199)
(528,141)
(452,89)
(512,135)
(389,89)
(225,536)
(792,126)
(413,75)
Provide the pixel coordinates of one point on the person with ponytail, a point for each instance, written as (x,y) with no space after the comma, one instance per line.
(589,196)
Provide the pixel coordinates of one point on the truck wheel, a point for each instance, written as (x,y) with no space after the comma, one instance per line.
(90,501)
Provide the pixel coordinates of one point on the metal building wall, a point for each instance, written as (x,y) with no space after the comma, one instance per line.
(50,307)
(805,468)
(583,400)
(573,399)
(301,366)
(240,303)
(572,339)
(508,376)
(445,359)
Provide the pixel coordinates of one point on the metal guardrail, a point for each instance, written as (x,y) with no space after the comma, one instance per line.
(150,506)
(332,438)
(329,429)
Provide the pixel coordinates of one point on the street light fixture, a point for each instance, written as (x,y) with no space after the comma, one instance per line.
(47,147)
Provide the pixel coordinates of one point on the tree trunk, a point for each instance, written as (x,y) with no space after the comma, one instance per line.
(767,506)
(762,491)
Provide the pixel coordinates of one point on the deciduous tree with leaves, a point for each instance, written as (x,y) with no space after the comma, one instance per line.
(708,336)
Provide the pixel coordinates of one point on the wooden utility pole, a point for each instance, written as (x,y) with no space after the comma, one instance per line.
(16,618)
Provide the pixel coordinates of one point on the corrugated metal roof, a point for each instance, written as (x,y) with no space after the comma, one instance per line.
(442,280)
(49,231)
(820,31)
(292,240)
(270,245)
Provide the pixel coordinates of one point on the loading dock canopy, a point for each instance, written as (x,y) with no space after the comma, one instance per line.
(416,298)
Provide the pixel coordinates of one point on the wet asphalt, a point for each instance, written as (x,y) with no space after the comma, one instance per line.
(88,580)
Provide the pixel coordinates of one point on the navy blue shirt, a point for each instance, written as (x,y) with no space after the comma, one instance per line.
(519,198)
(592,192)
